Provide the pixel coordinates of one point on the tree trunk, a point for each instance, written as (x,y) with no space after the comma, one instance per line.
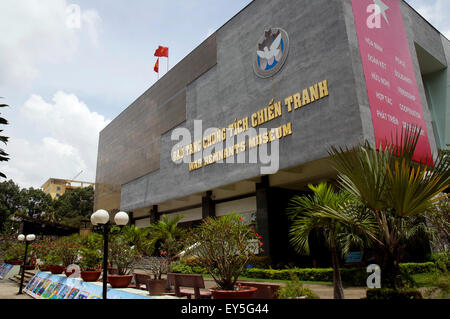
(338,291)
(390,271)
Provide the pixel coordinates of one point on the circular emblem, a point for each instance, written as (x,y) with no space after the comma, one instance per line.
(271,52)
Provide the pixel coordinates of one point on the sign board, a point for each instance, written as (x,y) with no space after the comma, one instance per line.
(44,285)
(389,72)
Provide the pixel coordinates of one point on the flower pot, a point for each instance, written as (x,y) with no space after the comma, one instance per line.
(56,270)
(240,292)
(14,262)
(157,287)
(118,281)
(90,275)
(44,268)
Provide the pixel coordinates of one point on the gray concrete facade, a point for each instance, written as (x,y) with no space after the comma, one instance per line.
(323,46)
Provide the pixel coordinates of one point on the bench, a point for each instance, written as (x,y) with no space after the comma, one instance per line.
(141,281)
(265,290)
(187,285)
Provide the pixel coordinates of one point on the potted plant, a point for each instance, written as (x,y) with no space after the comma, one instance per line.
(223,247)
(156,266)
(14,254)
(68,250)
(41,249)
(90,256)
(54,262)
(122,256)
(89,263)
(168,238)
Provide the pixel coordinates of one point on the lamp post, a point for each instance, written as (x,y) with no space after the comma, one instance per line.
(27,239)
(101,218)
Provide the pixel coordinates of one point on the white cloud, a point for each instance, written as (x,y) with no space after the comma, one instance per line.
(70,144)
(38,33)
(437,13)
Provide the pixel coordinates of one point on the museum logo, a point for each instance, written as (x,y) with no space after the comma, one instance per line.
(271,52)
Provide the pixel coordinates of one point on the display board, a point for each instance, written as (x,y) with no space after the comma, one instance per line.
(44,285)
(8,271)
(389,72)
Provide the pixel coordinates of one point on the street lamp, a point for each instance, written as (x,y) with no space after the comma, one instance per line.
(27,239)
(101,218)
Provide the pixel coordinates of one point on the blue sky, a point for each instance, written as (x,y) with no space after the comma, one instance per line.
(65,84)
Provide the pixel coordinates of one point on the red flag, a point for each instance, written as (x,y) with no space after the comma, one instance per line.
(156,68)
(162,51)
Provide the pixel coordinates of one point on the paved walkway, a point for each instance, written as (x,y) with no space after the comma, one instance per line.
(323,291)
(8,290)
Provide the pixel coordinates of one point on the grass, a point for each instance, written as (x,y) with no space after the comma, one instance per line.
(436,284)
(284,281)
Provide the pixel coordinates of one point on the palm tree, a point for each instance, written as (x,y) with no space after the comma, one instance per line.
(394,187)
(166,231)
(308,215)
(139,237)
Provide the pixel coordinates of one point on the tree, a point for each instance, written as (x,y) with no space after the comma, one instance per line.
(308,216)
(35,203)
(3,155)
(167,232)
(9,201)
(394,187)
(73,206)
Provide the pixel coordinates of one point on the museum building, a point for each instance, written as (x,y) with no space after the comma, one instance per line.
(245,121)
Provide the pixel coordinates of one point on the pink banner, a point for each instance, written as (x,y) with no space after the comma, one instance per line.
(391,82)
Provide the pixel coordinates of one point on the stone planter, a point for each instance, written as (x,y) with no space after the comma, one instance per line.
(56,269)
(240,292)
(118,281)
(157,287)
(90,275)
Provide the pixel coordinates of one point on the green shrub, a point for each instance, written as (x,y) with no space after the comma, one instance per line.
(417,268)
(393,294)
(14,252)
(181,267)
(442,260)
(295,289)
(350,276)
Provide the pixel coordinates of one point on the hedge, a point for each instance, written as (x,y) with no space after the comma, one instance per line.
(392,294)
(350,276)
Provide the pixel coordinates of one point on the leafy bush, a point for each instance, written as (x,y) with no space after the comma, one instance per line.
(90,259)
(295,289)
(14,252)
(181,267)
(417,268)
(393,294)
(122,255)
(442,261)
(223,247)
(90,251)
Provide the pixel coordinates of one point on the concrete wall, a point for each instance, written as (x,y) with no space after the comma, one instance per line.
(319,50)
(323,46)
